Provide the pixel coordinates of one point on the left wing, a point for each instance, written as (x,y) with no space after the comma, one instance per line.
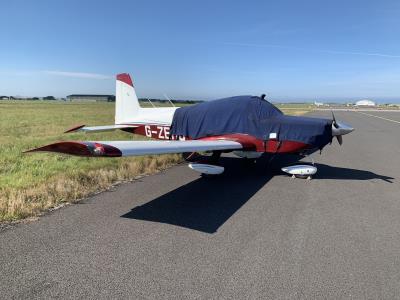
(135,148)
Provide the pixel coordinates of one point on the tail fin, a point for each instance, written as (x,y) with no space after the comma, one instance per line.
(127,103)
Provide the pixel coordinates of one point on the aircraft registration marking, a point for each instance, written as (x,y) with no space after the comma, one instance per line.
(157,132)
(160,132)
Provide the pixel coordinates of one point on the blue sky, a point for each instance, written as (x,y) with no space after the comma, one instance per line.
(290,50)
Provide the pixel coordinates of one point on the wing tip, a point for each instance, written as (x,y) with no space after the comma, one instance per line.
(75,128)
(85,149)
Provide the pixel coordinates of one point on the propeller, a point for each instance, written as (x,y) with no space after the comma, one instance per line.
(339,129)
(336,125)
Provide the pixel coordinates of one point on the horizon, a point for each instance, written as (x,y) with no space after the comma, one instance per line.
(274,101)
(293,52)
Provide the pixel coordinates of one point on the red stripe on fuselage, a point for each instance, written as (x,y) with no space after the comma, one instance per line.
(250,143)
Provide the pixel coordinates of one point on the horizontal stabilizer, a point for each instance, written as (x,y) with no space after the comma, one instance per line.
(98,128)
(136,148)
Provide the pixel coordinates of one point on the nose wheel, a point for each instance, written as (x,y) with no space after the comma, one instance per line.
(304,177)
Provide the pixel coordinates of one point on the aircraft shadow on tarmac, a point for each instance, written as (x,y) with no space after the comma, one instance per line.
(331,172)
(205,204)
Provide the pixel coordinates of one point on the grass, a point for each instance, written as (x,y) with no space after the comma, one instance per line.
(33,183)
(295,109)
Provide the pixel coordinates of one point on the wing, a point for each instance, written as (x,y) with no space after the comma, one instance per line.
(98,128)
(135,148)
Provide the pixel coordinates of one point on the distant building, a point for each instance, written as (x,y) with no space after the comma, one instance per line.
(49,98)
(94,98)
(4,98)
(365,102)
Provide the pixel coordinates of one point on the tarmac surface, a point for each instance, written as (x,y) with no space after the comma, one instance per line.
(250,233)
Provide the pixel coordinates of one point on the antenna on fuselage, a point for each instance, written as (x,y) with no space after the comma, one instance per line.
(151,103)
(165,95)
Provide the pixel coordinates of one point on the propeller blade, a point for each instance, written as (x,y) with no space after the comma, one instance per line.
(340,139)
(334,120)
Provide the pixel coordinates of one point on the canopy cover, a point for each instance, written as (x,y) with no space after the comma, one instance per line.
(249,115)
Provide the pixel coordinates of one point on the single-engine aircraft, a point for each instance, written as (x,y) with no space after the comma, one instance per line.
(248,126)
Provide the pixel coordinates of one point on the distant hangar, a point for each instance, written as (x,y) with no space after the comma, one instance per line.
(365,102)
(91,98)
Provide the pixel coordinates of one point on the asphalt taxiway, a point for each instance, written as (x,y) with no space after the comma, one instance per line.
(250,233)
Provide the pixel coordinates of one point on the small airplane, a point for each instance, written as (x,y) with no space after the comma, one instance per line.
(248,126)
(318,103)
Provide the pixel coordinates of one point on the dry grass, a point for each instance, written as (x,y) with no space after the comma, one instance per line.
(295,109)
(31,201)
(32,183)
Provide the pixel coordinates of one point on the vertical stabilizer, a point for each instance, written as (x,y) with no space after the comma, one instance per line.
(126,102)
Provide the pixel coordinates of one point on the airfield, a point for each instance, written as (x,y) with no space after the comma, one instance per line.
(250,233)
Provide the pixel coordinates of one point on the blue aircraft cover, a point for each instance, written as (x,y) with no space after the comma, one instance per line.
(248,115)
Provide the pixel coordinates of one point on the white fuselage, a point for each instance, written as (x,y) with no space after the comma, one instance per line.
(129,111)
(158,116)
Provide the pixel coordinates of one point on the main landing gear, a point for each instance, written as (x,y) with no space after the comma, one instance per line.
(206,165)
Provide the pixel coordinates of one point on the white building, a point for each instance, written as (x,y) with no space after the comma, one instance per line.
(365,102)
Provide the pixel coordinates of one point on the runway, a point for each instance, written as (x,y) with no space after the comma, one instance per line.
(251,233)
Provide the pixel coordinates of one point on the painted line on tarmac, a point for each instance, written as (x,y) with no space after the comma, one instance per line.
(394,121)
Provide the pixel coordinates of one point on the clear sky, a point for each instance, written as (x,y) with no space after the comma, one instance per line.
(290,50)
